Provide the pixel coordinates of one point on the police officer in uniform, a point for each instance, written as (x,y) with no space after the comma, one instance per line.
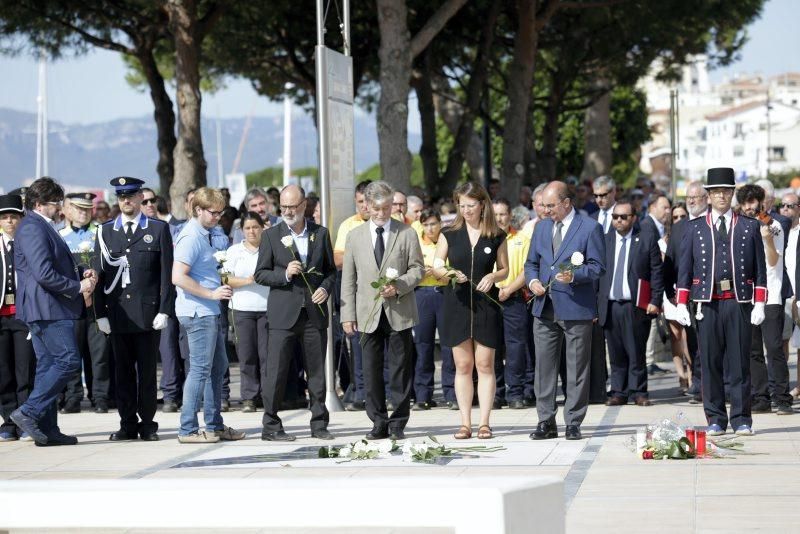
(722,269)
(135,297)
(79,234)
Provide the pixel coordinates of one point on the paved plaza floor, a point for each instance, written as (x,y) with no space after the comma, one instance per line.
(606,488)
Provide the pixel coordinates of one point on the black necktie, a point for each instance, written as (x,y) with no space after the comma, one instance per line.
(379,247)
(723,230)
(129,229)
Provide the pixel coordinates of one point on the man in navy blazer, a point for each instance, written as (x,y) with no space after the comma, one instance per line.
(50,291)
(565,306)
(630,294)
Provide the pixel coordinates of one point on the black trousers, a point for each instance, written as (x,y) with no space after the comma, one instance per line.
(281,345)
(626,332)
(251,349)
(172,375)
(137,385)
(17,369)
(96,355)
(724,337)
(598,372)
(396,347)
(770,333)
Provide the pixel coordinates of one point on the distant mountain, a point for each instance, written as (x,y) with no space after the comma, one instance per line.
(91,154)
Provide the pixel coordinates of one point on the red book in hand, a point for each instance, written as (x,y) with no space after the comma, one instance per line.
(643,294)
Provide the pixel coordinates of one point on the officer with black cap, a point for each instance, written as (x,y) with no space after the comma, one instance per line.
(722,269)
(20,192)
(79,235)
(135,296)
(17,359)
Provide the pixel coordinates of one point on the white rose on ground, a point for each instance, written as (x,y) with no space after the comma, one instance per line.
(385,447)
(220,256)
(287,241)
(392,273)
(85,246)
(577,258)
(345,452)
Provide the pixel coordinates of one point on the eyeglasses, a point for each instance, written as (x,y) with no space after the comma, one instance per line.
(60,203)
(213,213)
(678,217)
(398,204)
(147,201)
(601,195)
(286,207)
(622,216)
(789,206)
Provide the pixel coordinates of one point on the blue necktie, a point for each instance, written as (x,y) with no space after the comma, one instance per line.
(619,273)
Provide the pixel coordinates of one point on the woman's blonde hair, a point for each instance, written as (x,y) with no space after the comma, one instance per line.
(207,198)
(475,191)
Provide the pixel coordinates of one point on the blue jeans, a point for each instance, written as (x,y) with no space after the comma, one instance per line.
(208,362)
(57,361)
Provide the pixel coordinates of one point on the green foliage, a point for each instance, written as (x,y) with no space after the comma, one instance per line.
(273,177)
(782,179)
(211,80)
(374,172)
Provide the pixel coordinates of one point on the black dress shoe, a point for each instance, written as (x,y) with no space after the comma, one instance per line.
(71,408)
(573,432)
(497,404)
(169,406)
(545,430)
(280,435)
(452,405)
(58,439)
(225,406)
(377,433)
(321,433)
(149,437)
(29,426)
(516,405)
(529,401)
(761,407)
(420,406)
(355,406)
(101,407)
(397,434)
(123,435)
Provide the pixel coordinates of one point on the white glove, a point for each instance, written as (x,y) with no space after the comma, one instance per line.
(757,315)
(160,321)
(104,326)
(682,315)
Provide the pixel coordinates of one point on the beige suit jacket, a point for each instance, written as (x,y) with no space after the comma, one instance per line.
(359,270)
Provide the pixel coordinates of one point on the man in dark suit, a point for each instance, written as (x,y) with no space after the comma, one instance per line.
(50,293)
(135,299)
(605,194)
(296,261)
(659,211)
(565,311)
(632,280)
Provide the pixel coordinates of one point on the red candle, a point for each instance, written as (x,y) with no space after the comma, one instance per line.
(690,436)
(700,441)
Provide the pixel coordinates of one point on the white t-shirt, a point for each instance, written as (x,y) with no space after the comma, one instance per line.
(241,263)
(791,258)
(775,274)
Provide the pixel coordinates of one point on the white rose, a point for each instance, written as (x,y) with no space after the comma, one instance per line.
(576,259)
(220,256)
(287,241)
(345,452)
(85,246)
(438,263)
(385,447)
(407,448)
(392,273)
(360,447)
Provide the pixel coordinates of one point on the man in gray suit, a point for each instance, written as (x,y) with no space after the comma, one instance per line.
(383,248)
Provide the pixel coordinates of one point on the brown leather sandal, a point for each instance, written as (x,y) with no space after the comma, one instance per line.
(464,432)
(485,434)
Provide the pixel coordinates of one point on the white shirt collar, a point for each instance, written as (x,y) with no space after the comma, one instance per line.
(303,233)
(48,219)
(626,236)
(568,219)
(386,227)
(659,226)
(715,216)
(135,220)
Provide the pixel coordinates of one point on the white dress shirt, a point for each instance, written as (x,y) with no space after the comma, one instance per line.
(791,258)
(605,222)
(626,290)
(374,235)
(241,262)
(728,219)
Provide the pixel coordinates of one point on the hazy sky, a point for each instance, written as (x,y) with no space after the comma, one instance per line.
(92,88)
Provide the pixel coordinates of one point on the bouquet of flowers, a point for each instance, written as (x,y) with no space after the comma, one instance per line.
(360,450)
(288,242)
(429,453)
(667,440)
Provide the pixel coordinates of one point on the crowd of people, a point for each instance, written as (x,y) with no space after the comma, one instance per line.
(96,295)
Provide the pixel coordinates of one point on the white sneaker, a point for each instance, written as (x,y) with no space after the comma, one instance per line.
(229,434)
(198,437)
(745,430)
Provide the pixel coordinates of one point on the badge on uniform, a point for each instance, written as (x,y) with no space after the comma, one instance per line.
(9,300)
(725,285)
(148,238)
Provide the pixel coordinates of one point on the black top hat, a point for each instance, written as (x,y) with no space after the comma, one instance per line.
(720,177)
(11,204)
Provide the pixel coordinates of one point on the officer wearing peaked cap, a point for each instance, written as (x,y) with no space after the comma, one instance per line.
(79,235)
(723,270)
(134,298)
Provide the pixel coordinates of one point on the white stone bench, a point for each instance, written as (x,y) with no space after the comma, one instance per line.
(485,505)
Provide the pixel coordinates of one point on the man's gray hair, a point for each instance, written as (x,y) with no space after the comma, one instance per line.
(604,181)
(411,199)
(766,185)
(378,192)
(254,192)
(539,188)
(519,216)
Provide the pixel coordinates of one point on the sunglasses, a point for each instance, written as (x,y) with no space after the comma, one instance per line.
(147,201)
(789,206)
(678,217)
(601,195)
(622,216)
